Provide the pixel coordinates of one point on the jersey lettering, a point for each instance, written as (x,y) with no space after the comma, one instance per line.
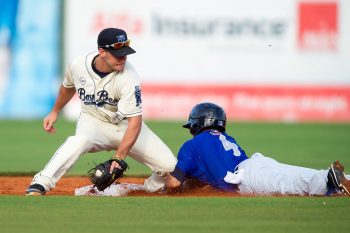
(102,98)
(229,146)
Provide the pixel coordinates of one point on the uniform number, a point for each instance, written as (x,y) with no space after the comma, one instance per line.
(229,146)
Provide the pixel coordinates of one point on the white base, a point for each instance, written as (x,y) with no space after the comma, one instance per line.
(115,190)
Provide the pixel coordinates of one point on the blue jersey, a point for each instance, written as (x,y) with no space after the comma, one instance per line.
(208,156)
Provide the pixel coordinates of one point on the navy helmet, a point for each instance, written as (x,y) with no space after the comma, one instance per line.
(206,116)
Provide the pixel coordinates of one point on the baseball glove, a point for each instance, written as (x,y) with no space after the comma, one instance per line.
(102,178)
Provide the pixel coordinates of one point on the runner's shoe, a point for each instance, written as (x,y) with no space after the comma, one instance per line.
(337,180)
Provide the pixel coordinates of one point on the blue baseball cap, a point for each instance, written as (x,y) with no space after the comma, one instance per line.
(116,41)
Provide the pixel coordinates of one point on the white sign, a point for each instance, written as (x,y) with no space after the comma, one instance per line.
(232,41)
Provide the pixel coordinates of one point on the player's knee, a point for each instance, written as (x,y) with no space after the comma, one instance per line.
(79,141)
(169,164)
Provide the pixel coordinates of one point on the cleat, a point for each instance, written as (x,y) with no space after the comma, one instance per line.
(337,180)
(35,190)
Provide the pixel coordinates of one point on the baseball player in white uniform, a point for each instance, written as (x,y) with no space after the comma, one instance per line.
(111,116)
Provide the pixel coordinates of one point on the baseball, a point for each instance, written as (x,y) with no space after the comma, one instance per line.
(98,173)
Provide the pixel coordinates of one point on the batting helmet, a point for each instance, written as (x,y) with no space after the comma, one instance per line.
(206,116)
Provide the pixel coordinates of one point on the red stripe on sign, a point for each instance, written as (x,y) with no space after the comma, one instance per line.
(250,103)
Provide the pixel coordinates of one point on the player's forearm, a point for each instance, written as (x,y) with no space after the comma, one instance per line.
(64,96)
(130,137)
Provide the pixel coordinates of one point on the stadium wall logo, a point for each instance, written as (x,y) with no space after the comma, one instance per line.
(318,26)
(217,25)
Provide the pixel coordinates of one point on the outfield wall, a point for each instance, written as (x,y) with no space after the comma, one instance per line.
(255,42)
(251,103)
(262,60)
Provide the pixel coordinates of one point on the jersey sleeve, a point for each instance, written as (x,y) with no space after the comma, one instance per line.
(130,103)
(68,78)
(185,162)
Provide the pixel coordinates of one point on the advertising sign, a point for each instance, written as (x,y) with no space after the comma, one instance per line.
(297,48)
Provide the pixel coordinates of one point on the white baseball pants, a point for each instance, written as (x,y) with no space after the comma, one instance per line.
(262,175)
(93,135)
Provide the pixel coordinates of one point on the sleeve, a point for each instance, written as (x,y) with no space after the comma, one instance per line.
(68,77)
(185,162)
(130,103)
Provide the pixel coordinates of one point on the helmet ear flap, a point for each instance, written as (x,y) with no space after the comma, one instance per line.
(196,125)
(195,129)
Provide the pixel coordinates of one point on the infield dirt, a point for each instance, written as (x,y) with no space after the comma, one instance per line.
(16,185)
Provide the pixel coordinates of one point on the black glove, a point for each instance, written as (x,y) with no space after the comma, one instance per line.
(102,178)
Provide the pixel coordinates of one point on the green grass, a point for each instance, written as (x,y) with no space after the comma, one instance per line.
(310,145)
(25,148)
(157,214)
